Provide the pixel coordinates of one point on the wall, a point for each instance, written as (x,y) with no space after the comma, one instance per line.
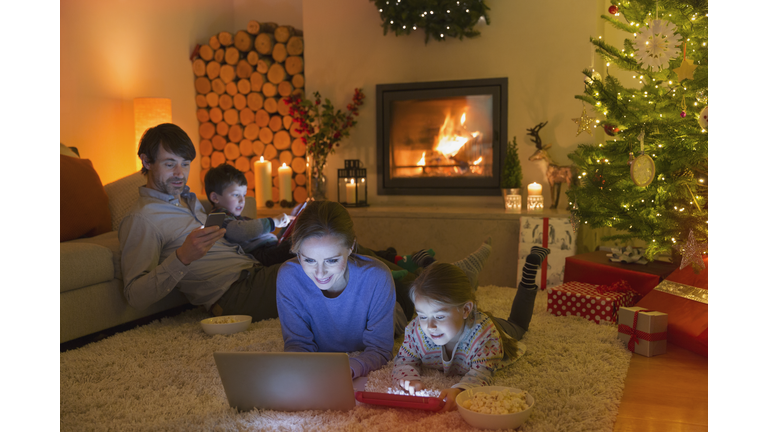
(115,50)
(541,46)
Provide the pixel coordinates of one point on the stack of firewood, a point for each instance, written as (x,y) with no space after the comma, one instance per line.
(241,83)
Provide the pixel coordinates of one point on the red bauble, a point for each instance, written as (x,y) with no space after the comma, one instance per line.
(610,129)
(613,9)
(682,114)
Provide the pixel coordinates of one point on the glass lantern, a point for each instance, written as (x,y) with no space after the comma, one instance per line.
(352,185)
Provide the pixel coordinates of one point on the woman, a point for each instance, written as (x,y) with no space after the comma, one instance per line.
(330,298)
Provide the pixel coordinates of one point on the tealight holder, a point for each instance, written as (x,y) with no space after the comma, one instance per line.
(535,203)
(513,202)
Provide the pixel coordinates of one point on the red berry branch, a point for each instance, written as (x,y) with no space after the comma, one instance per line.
(321,125)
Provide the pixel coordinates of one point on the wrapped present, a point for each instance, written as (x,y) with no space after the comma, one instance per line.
(684,296)
(598,303)
(643,331)
(553,233)
(597,268)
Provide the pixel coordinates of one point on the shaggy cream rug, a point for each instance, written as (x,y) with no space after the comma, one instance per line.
(162,377)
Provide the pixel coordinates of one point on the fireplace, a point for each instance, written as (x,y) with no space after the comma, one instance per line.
(441,138)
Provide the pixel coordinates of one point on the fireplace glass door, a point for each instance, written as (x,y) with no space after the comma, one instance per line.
(441,140)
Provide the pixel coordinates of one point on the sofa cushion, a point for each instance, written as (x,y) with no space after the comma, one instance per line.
(111,242)
(84,207)
(84,264)
(123,193)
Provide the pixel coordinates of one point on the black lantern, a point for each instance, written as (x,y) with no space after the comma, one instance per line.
(352,186)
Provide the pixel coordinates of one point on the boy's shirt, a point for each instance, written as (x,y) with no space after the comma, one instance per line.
(249,233)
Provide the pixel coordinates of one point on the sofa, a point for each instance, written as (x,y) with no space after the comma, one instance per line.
(91,285)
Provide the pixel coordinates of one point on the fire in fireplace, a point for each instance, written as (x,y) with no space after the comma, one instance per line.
(441,138)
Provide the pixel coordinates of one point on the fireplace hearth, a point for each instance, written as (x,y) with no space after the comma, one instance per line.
(441,138)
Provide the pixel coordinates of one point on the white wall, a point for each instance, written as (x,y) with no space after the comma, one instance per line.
(541,46)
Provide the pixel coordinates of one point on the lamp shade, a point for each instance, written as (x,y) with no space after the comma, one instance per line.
(147,113)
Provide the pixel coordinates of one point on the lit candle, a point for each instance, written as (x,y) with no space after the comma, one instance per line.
(362,194)
(284,174)
(262,175)
(534,189)
(351,192)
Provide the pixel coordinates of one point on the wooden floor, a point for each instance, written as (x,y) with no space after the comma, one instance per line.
(665,393)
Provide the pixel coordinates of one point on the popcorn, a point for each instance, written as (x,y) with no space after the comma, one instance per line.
(224,320)
(495,402)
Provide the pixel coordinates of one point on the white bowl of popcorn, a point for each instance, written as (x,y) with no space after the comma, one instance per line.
(226,324)
(495,407)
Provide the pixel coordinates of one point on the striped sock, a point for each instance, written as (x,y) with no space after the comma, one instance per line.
(473,264)
(424,257)
(531,267)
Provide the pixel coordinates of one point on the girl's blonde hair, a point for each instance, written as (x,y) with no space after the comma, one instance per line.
(448,285)
(320,219)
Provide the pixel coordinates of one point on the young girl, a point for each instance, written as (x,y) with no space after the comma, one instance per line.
(451,334)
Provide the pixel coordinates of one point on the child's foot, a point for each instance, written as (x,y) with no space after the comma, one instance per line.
(412,262)
(399,274)
(531,267)
(473,264)
(388,254)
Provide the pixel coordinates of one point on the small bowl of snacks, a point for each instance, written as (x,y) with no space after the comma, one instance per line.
(226,324)
(495,407)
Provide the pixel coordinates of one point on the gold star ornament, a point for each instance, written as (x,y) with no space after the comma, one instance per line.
(691,252)
(685,71)
(583,122)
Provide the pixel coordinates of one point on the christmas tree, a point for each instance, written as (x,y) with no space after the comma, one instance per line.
(512,172)
(648,179)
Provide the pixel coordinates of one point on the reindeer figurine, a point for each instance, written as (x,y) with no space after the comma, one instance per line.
(556,174)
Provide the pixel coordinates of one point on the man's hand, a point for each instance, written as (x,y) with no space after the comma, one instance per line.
(449,396)
(198,242)
(411,386)
(283,220)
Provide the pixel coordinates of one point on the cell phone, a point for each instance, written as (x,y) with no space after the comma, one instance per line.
(215,219)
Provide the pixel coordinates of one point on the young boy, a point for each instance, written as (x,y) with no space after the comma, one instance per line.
(225,187)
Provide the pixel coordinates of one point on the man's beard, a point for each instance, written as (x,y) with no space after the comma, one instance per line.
(169,189)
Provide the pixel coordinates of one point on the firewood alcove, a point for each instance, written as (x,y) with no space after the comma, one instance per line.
(241,83)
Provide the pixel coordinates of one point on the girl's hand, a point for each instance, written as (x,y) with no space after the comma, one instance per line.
(411,386)
(449,396)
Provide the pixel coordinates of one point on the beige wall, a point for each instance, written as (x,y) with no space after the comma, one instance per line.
(115,50)
(541,46)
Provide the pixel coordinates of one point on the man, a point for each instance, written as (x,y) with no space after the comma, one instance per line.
(164,244)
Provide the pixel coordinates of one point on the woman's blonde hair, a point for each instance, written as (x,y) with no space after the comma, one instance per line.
(320,219)
(448,285)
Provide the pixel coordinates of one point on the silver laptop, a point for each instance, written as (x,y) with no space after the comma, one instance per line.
(287,381)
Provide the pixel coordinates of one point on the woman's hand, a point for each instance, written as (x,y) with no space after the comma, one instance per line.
(449,396)
(411,386)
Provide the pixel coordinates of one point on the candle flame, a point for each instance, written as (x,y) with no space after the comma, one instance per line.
(261,159)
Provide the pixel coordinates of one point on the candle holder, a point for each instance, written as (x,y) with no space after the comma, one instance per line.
(535,203)
(513,202)
(352,186)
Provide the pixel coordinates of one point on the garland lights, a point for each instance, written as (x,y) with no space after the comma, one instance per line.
(439,19)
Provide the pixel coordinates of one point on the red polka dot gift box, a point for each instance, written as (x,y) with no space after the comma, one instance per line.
(598,303)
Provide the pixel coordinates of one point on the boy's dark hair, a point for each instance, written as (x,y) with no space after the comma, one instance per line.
(219,178)
(171,137)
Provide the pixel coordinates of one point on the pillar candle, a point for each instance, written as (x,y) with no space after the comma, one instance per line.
(362,194)
(284,174)
(351,192)
(534,189)
(262,176)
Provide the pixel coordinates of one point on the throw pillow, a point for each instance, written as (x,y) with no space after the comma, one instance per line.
(84,208)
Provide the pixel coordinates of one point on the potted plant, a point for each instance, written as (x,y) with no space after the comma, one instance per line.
(512,178)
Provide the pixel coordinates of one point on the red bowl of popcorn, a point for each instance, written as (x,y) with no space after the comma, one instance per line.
(495,407)
(226,324)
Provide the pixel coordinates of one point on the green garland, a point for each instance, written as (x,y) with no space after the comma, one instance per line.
(439,19)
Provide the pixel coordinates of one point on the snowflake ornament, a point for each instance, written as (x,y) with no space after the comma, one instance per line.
(656,45)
